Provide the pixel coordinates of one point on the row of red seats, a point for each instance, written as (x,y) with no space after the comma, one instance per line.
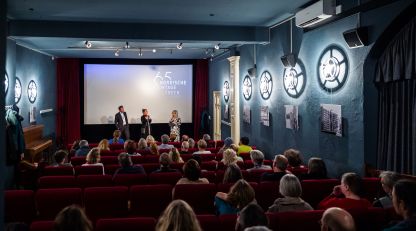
(147,152)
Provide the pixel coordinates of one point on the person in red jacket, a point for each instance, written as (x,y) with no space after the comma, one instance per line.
(346,195)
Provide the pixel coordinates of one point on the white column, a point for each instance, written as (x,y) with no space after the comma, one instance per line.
(235,97)
(217,114)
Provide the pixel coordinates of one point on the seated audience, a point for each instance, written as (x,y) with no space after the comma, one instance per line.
(227,144)
(175,156)
(232,174)
(258,157)
(74,148)
(207,139)
(346,195)
(243,145)
(192,174)
(142,145)
(104,145)
(258,228)
(291,190)
(150,139)
(279,169)
(388,179)
(61,158)
(127,167)
(202,145)
(131,148)
(191,143)
(230,157)
(83,148)
(294,159)
(184,138)
(234,147)
(116,138)
(172,137)
(165,161)
(93,158)
(185,147)
(240,195)
(154,149)
(251,215)
(72,218)
(178,216)
(404,203)
(337,219)
(316,170)
(165,140)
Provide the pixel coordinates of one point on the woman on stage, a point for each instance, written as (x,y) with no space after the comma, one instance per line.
(146,121)
(175,124)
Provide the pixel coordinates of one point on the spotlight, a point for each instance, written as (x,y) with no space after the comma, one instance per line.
(217,46)
(211,59)
(127,46)
(88,44)
(179,45)
(117,53)
(206,51)
(140,52)
(154,50)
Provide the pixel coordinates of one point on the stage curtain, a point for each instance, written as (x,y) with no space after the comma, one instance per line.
(200,94)
(396,82)
(68,101)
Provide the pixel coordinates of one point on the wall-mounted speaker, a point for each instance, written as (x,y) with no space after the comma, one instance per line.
(357,37)
(288,60)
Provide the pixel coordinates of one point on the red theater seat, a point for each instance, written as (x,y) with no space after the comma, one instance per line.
(267,192)
(78,160)
(151,159)
(314,191)
(126,224)
(372,188)
(298,170)
(42,226)
(209,165)
(88,170)
(219,143)
(295,221)
(50,201)
(177,166)
(221,165)
(106,202)
(210,175)
(116,146)
(164,178)
(58,171)
(144,152)
(19,206)
(85,181)
(226,187)
(111,169)
(199,196)
(109,160)
(245,155)
(138,159)
(176,144)
(227,221)
(149,200)
(57,182)
(255,175)
(209,222)
(129,179)
(150,167)
(370,218)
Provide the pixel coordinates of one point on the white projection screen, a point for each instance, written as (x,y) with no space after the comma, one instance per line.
(159,88)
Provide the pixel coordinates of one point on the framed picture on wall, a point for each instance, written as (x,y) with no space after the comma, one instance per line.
(226,113)
(331,119)
(246,114)
(291,117)
(264,116)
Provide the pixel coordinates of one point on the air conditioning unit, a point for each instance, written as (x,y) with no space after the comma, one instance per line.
(315,13)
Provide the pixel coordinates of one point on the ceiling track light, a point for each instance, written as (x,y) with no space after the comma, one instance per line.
(154,50)
(127,46)
(217,46)
(179,46)
(88,44)
(140,52)
(117,53)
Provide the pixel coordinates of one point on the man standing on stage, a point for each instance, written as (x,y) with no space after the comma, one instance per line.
(122,123)
(146,121)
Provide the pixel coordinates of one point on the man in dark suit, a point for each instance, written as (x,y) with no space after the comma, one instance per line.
(122,123)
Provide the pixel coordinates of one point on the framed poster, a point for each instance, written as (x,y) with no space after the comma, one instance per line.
(291,117)
(331,119)
(264,116)
(246,114)
(226,112)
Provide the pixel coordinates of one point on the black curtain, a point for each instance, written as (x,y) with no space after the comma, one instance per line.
(396,82)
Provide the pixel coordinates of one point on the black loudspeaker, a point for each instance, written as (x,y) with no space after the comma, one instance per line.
(252,71)
(288,60)
(357,37)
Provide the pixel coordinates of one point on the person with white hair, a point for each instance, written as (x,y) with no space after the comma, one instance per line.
(84,148)
(337,219)
(257,157)
(387,180)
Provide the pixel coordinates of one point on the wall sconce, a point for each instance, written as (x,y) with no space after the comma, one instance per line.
(6,82)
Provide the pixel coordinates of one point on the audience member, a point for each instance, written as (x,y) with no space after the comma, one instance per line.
(243,145)
(388,179)
(165,161)
(294,159)
(350,188)
(279,169)
(232,174)
(154,149)
(202,145)
(165,140)
(116,138)
(337,219)
(258,157)
(240,195)
(192,174)
(74,148)
(178,216)
(142,145)
(72,218)
(126,165)
(185,147)
(61,158)
(316,170)
(291,190)
(150,139)
(175,156)
(230,157)
(227,143)
(104,145)
(93,159)
(234,147)
(83,148)
(404,203)
(207,139)
(191,143)
(131,148)
(184,138)
(258,228)
(251,215)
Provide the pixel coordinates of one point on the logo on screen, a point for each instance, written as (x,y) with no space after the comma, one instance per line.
(168,84)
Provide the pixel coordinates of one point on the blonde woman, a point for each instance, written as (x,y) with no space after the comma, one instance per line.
(178,216)
(175,126)
(230,157)
(116,138)
(240,195)
(104,145)
(142,145)
(175,156)
(153,148)
(93,158)
(150,139)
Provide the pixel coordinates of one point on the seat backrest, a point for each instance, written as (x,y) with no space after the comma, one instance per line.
(126,224)
(186,157)
(138,159)
(199,196)
(295,221)
(85,181)
(58,171)
(109,160)
(207,157)
(150,167)
(210,175)
(314,191)
(267,192)
(372,188)
(209,222)
(42,226)
(78,160)
(245,155)
(228,221)
(50,201)
(130,179)
(88,170)
(106,202)
(57,182)
(209,165)
(111,169)
(19,206)
(370,218)
(149,200)
(255,175)
(164,178)
(116,146)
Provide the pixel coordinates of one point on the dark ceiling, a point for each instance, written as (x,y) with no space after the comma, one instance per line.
(61,27)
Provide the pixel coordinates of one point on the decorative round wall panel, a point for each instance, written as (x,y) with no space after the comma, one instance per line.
(294,80)
(32,91)
(6,82)
(266,85)
(17,90)
(332,68)
(247,87)
(226,91)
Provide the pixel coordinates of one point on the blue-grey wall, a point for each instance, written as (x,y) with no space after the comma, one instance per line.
(341,154)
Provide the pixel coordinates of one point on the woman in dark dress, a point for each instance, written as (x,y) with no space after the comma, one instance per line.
(146,121)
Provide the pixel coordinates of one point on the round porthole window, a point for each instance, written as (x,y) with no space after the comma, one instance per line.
(32,91)
(226,91)
(17,90)
(247,87)
(266,85)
